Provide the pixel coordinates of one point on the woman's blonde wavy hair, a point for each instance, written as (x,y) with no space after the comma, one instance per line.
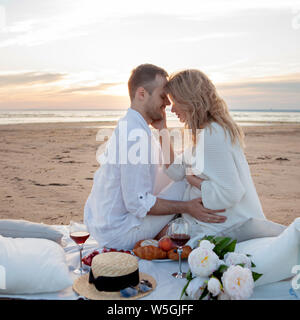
(199,99)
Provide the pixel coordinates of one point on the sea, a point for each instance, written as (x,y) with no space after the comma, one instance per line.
(243,117)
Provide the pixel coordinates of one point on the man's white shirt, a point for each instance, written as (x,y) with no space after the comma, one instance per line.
(122,192)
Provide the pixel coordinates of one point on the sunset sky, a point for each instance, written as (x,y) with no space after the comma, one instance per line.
(78,54)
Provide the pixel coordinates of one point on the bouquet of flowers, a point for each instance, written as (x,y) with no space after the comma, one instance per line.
(217,272)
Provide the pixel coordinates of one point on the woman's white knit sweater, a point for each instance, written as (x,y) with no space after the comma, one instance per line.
(228,183)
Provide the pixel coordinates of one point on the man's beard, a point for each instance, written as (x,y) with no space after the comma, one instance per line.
(154,115)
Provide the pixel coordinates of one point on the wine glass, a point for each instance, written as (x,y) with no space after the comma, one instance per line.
(179,232)
(79,234)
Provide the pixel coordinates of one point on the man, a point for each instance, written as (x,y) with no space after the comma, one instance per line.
(122,208)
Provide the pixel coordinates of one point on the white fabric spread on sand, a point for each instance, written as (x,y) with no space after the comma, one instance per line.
(273,255)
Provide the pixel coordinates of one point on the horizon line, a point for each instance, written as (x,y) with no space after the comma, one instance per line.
(124,109)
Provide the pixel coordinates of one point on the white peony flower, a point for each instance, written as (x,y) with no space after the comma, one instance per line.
(206,244)
(214,286)
(203,262)
(234,258)
(223,296)
(238,282)
(196,287)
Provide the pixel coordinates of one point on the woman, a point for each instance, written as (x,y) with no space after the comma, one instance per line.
(225,181)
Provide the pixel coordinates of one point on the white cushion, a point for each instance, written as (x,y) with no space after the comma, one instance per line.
(253,228)
(33,266)
(274,257)
(27,229)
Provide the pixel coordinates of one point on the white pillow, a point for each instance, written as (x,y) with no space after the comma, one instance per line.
(27,229)
(253,228)
(33,266)
(274,257)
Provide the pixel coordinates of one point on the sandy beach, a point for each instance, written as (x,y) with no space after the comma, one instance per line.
(47,170)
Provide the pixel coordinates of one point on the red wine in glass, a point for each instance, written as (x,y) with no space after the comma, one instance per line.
(179,232)
(79,237)
(180,239)
(79,234)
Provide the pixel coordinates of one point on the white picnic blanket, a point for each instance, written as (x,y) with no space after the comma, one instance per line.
(167,288)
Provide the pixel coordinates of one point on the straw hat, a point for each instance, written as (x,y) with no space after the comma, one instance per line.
(111,272)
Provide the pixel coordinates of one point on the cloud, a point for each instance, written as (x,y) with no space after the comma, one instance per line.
(279,92)
(49,21)
(216,35)
(29,78)
(283,83)
(70,19)
(38,32)
(99,87)
(266,92)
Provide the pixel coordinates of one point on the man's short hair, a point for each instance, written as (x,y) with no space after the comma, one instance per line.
(144,76)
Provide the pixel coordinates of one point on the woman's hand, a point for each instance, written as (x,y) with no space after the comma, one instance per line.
(197,210)
(194,181)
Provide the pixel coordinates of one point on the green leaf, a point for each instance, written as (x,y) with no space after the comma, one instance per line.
(219,239)
(222,268)
(256,275)
(189,275)
(204,293)
(184,289)
(209,238)
(219,273)
(230,247)
(252,265)
(221,244)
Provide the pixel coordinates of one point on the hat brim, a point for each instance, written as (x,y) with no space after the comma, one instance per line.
(82,287)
